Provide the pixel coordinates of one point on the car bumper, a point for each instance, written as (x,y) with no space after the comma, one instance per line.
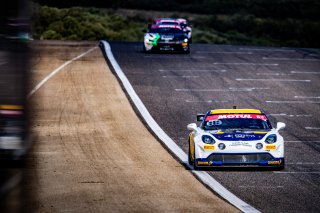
(171,47)
(240,159)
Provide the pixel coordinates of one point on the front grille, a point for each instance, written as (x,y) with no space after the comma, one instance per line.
(168,46)
(240,158)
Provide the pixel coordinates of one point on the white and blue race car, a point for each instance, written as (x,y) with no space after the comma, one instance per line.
(235,137)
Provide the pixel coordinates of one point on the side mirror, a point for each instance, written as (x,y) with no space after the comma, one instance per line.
(200,117)
(192,126)
(280,125)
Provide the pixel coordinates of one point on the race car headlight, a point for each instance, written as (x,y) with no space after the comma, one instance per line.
(185,40)
(259,145)
(208,139)
(221,146)
(271,139)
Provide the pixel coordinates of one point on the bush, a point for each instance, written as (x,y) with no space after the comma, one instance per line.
(240,27)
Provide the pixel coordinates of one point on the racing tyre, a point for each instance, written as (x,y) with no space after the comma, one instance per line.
(190,161)
(195,166)
(187,51)
(282,165)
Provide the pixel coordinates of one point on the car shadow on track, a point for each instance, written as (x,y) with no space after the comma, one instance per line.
(233,169)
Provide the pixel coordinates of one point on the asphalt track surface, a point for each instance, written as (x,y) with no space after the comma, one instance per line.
(284,82)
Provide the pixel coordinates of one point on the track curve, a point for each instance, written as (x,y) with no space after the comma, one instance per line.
(91,152)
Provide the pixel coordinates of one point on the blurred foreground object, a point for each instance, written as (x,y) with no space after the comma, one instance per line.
(14,80)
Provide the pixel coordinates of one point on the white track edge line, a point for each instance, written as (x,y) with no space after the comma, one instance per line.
(37,87)
(202,175)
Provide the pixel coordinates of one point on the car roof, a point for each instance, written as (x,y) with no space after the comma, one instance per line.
(166,19)
(168,22)
(235,111)
(157,26)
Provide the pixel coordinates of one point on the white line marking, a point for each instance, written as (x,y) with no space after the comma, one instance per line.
(306,97)
(271,79)
(301,72)
(296,172)
(276,74)
(170,56)
(208,101)
(294,102)
(249,88)
(249,64)
(202,175)
(54,72)
(211,52)
(290,59)
(302,141)
(271,50)
(258,186)
(181,76)
(302,163)
(284,114)
(231,89)
(192,70)
(312,128)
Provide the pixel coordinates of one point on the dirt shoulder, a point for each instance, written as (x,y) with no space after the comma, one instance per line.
(92,153)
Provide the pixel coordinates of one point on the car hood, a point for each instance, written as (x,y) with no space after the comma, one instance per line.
(238,135)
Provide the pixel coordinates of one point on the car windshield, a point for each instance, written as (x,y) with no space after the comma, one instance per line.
(236,121)
(166,30)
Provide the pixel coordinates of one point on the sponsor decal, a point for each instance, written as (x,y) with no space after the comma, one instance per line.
(240,143)
(238,136)
(276,162)
(230,116)
(155,40)
(203,163)
(208,147)
(271,147)
(167,37)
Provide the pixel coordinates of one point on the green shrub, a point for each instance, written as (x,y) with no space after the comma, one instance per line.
(239,27)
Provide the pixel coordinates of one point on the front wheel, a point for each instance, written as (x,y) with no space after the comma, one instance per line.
(144,49)
(282,165)
(190,161)
(195,166)
(187,51)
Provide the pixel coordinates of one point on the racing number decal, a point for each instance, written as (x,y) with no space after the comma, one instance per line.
(214,123)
